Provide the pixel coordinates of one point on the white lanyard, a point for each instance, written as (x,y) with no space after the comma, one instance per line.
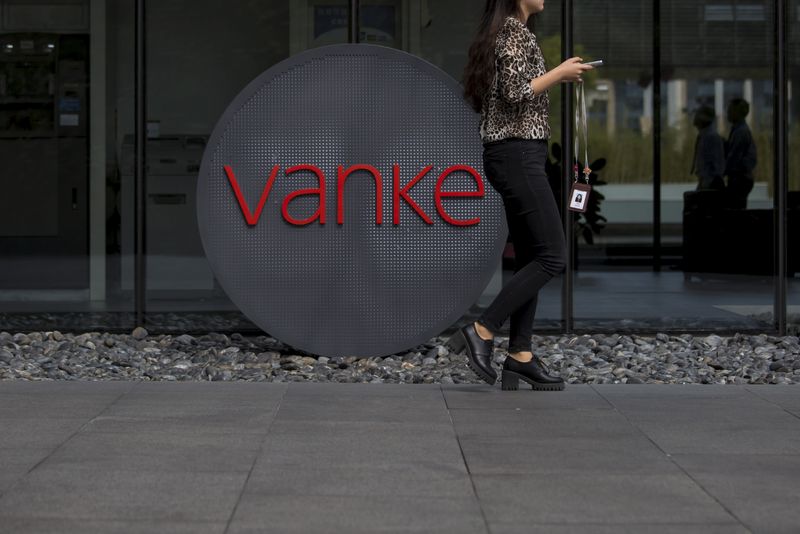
(580,124)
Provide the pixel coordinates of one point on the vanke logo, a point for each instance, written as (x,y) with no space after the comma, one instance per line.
(399,194)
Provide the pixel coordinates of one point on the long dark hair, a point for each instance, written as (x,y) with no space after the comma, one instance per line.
(479,71)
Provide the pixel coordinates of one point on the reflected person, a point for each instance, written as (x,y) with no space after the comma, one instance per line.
(740,155)
(708,162)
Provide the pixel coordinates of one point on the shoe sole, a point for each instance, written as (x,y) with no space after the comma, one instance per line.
(458,343)
(511,380)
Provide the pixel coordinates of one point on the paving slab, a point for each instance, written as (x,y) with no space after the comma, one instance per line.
(485,397)
(762,490)
(38,432)
(409,479)
(724,419)
(556,455)
(597,498)
(88,493)
(618,528)
(308,457)
(356,514)
(367,442)
(785,397)
(101,526)
(161,450)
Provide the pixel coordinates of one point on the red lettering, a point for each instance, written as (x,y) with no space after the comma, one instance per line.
(320,213)
(342,176)
(439,194)
(402,193)
(251,219)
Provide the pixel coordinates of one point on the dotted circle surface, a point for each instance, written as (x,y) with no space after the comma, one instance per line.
(359,288)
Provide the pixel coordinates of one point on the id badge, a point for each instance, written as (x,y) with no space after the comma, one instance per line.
(579,196)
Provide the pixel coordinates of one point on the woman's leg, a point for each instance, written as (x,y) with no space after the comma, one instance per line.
(519,339)
(529,203)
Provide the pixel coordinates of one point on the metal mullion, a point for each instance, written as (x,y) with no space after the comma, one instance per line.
(140,142)
(567,307)
(353,26)
(779,200)
(656,129)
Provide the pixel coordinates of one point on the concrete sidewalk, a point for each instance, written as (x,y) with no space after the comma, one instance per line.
(196,457)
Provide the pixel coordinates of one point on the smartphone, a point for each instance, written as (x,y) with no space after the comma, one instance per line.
(598,63)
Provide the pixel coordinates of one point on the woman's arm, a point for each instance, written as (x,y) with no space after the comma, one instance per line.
(514,88)
(569,71)
(512,58)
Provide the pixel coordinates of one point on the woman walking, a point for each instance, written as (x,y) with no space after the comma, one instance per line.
(506,81)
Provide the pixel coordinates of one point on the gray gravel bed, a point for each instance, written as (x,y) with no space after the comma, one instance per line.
(591,359)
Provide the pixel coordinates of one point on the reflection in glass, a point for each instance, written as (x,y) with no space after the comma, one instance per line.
(714,266)
(197,66)
(65,86)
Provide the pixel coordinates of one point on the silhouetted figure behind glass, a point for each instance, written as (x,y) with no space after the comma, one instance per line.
(740,155)
(708,162)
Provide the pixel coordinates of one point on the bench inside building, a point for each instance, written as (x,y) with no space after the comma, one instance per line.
(720,239)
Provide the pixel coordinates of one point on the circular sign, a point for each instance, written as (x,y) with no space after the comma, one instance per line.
(341,202)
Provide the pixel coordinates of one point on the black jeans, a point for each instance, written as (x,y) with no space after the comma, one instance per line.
(515,169)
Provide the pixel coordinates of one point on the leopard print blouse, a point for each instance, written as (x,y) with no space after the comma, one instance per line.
(510,109)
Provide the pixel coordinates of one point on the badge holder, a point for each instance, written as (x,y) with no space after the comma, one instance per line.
(579,194)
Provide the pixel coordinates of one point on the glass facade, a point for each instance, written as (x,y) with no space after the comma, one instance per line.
(671,256)
(662,250)
(66,101)
(793,153)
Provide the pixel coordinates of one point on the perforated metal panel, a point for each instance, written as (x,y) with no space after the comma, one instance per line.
(358,288)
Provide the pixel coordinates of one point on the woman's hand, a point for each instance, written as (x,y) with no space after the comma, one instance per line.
(571,70)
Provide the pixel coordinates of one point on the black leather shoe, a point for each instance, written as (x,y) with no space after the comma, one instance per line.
(534,372)
(479,351)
